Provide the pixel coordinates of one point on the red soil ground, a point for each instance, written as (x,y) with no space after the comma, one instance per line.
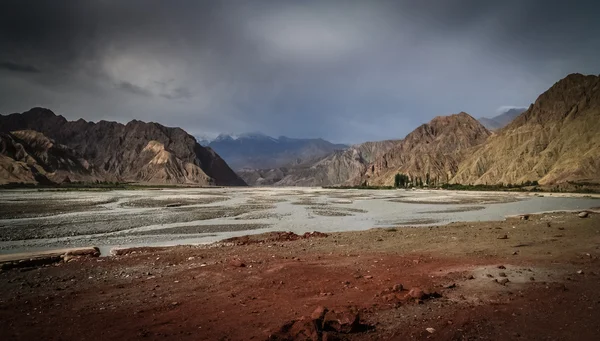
(250,291)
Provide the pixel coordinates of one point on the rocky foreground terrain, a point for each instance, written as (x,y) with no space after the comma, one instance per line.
(533,277)
(105,151)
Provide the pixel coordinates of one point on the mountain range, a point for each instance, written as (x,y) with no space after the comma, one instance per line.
(39,146)
(554,142)
(342,167)
(256,150)
(502,120)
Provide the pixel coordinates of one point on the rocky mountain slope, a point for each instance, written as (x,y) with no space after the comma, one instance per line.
(257,150)
(342,167)
(502,120)
(30,157)
(555,141)
(432,150)
(135,152)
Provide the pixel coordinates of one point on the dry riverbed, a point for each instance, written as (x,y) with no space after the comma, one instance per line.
(517,279)
(37,220)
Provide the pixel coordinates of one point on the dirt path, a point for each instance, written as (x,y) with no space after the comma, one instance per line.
(255,288)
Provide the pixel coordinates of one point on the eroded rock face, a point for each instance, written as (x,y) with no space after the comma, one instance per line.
(30,157)
(435,148)
(555,141)
(135,152)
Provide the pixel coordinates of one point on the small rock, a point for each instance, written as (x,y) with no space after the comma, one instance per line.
(416,293)
(583,214)
(503,237)
(342,322)
(502,274)
(368,277)
(524,216)
(237,263)
(471,277)
(580,272)
(450,286)
(397,287)
(503,281)
(532,279)
(319,313)
(430,330)
(515,253)
(501,267)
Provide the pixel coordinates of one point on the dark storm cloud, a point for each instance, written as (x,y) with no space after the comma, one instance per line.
(134,89)
(343,70)
(16,67)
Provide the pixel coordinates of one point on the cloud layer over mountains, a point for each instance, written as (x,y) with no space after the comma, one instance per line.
(347,71)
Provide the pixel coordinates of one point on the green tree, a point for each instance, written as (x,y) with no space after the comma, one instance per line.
(401,180)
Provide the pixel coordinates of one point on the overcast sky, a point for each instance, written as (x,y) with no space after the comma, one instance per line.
(348,71)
